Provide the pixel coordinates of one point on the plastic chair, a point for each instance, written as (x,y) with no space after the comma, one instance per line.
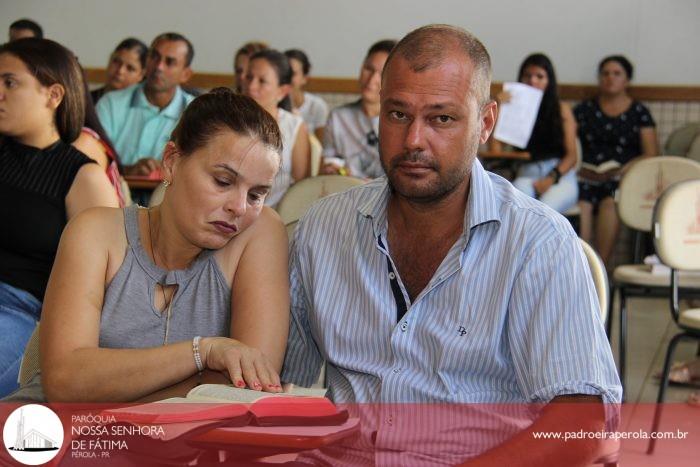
(316,150)
(681,139)
(157,196)
(677,242)
(610,447)
(694,150)
(639,189)
(600,277)
(300,196)
(29,365)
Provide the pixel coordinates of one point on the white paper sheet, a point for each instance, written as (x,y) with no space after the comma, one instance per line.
(516,118)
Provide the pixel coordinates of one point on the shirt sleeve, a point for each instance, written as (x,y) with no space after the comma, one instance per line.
(555,331)
(302,362)
(645,118)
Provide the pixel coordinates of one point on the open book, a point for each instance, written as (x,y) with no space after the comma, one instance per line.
(601,168)
(239,407)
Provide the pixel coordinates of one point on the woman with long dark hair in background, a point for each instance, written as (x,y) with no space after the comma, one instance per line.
(550,175)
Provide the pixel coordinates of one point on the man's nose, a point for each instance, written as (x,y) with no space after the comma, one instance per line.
(415,135)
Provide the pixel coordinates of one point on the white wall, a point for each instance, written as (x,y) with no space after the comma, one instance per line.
(660,36)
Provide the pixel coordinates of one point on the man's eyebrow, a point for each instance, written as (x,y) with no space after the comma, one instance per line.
(237,174)
(401,104)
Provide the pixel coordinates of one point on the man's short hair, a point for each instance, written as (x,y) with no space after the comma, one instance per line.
(385,45)
(174,36)
(33,26)
(428,47)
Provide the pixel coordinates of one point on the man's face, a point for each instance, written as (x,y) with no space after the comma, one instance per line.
(18,33)
(430,127)
(166,66)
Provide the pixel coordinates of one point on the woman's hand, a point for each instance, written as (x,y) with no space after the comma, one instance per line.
(542,185)
(246,366)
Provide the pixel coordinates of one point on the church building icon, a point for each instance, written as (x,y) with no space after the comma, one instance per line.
(33,440)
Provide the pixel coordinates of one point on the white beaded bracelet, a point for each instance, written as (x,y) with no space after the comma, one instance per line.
(197,356)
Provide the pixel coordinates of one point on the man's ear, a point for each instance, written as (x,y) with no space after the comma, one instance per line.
(171,155)
(488,116)
(56,93)
(186,75)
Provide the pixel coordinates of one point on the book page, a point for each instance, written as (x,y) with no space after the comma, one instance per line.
(601,168)
(516,118)
(225,393)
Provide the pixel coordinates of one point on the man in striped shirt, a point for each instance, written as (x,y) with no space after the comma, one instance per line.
(441,283)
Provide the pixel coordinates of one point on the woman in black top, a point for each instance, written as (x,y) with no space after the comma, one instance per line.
(611,127)
(550,174)
(44,181)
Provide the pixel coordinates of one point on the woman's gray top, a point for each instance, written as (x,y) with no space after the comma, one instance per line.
(201,305)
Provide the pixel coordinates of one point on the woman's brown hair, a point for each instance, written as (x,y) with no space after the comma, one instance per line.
(222,109)
(51,63)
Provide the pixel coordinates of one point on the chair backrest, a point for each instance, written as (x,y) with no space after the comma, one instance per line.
(291,226)
(157,196)
(680,140)
(29,365)
(644,182)
(600,277)
(304,193)
(677,226)
(694,150)
(316,150)
(126,191)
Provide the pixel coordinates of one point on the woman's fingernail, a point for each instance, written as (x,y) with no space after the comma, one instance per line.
(256,385)
(240,384)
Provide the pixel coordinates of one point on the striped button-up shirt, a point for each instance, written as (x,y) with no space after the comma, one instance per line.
(510,315)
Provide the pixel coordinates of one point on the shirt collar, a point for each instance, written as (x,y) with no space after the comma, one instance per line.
(481,206)
(173,110)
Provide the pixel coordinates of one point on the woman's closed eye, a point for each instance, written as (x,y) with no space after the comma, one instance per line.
(223,182)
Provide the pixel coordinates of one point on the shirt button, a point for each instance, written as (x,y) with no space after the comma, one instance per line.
(392,276)
(397,370)
(404,326)
(390,421)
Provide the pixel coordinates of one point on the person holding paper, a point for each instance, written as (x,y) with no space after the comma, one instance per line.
(450,287)
(143,300)
(615,131)
(550,176)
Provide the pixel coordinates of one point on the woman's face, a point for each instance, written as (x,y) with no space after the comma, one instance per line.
(262,84)
(612,78)
(298,77)
(219,190)
(26,106)
(535,76)
(240,70)
(371,77)
(124,69)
